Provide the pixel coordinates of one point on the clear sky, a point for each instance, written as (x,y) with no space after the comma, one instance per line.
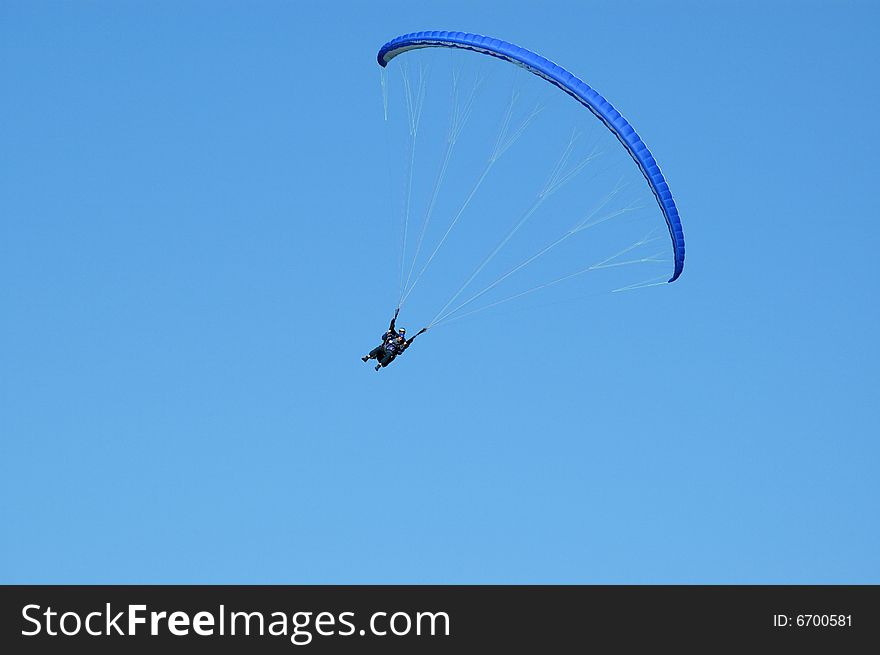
(192,261)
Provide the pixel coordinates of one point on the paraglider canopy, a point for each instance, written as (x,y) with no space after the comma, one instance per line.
(573,86)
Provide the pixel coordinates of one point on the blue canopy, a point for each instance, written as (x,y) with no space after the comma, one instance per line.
(573,86)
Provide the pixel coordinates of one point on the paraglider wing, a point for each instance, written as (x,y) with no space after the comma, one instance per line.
(576,88)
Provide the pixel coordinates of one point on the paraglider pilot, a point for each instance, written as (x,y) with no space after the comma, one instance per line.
(394,342)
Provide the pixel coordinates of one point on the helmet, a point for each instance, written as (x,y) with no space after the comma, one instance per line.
(401,331)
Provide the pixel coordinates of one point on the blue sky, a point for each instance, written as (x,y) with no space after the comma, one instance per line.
(192,260)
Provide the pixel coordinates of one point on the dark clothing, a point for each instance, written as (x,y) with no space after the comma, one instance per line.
(386,353)
(392,333)
(392,345)
(384,357)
